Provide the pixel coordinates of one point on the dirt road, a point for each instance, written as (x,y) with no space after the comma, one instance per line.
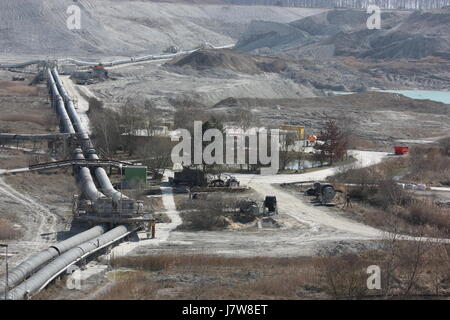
(306,228)
(45,219)
(315,217)
(163,230)
(40,223)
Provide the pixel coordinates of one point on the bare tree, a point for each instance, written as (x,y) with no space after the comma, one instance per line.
(287,143)
(105,127)
(155,154)
(445,145)
(131,121)
(332,144)
(150,121)
(246,119)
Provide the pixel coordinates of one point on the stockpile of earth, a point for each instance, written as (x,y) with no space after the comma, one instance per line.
(231,60)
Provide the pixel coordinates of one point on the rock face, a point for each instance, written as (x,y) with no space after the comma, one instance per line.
(264,34)
(344,33)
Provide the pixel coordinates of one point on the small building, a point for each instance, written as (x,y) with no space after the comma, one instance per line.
(67,69)
(136,173)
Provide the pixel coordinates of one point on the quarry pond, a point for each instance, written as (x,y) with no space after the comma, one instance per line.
(439,96)
(433,95)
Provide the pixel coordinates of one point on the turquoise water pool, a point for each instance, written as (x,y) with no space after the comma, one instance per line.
(439,96)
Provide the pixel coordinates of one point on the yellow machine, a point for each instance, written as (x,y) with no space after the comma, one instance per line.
(300,131)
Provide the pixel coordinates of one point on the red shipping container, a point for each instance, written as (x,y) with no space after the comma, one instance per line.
(401,150)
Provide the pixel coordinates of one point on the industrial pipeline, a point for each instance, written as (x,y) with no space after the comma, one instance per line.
(119,200)
(113,62)
(41,278)
(35,273)
(26,268)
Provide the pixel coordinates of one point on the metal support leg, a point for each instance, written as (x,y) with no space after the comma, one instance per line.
(153,224)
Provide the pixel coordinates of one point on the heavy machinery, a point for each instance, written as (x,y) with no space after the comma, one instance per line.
(190,177)
(172,49)
(219,181)
(324,193)
(250,207)
(270,205)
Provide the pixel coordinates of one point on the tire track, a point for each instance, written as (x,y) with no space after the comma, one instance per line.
(46,219)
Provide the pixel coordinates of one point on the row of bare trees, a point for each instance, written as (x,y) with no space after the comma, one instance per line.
(408,269)
(117,130)
(131,129)
(415,266)
(352,4)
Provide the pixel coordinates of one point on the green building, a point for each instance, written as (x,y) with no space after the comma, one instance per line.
(136,173)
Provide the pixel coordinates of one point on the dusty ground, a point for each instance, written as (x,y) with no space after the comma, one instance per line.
(306,228)
(158,82)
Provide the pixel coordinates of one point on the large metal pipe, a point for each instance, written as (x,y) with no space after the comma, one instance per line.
(19,273)
(85,180)
(73,249)
(73,115)
(138,59)
(118,198)
(27,267)
(58,103)
(41,278)
(89,189)
(20,65)
(106,185)
(80,238)
(114,62)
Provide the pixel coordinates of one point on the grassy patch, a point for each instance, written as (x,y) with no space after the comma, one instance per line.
(409,269)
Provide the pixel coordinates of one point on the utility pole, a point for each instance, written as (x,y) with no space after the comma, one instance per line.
(6,275)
